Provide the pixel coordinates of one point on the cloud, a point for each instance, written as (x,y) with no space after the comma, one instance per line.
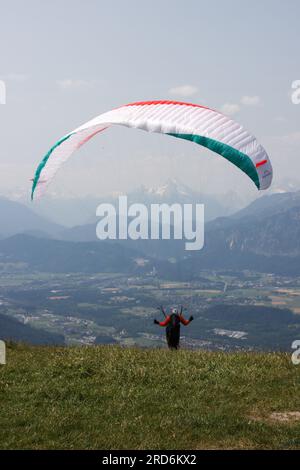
(230,108)
(183,90)
(291,139)
(250,100)
(280,119)
(71,84)
(16,77)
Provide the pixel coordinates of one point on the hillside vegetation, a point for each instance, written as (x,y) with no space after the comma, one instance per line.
(108,397)
(14,329)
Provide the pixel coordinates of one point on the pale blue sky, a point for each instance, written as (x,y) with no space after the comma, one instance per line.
(66,61)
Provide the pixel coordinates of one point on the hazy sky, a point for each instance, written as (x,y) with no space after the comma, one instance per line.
(64,62)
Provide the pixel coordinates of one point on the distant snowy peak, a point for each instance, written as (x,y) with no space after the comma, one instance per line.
(170,188)
(175,192)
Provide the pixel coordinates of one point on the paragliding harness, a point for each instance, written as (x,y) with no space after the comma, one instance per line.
(173,329)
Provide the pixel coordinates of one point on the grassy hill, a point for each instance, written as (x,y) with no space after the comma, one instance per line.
(108,397)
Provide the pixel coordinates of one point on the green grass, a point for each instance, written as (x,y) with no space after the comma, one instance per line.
(109,397)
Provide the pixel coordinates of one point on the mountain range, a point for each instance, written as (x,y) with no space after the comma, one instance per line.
(18,218)
(264,236)
(42,254)
(270,226)
(78,211)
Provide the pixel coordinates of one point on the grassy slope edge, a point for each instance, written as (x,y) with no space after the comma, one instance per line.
(108,397)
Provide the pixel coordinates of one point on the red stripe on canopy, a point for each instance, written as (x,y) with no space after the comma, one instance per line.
(263,162)
(181,103)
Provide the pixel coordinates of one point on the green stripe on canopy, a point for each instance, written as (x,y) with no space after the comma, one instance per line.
(239,159)
(43,163)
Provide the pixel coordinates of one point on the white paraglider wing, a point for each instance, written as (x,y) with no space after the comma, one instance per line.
(193,122)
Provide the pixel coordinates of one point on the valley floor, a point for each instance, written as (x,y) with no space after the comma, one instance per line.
(108,397)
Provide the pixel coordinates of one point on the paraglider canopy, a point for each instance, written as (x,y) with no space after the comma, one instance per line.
(188,121)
